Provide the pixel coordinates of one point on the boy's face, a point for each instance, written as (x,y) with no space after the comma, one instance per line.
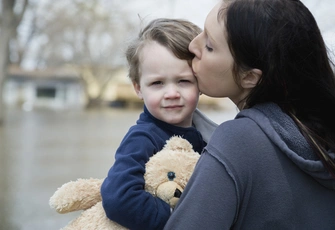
(167,85)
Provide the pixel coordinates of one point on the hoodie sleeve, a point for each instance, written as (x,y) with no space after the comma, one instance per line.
(198,208)
(123,196)
(204,125)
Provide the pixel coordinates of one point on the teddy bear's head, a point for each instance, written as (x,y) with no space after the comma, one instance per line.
(168,171)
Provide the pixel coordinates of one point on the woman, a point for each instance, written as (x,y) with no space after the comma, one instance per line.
(273,166)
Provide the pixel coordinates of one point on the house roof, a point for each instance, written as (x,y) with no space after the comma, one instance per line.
(56,74)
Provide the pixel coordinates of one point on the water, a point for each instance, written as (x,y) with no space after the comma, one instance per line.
(43,149)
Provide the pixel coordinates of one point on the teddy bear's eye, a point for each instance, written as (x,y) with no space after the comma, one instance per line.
(171,175)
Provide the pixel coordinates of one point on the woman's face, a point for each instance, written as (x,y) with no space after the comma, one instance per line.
(213,60)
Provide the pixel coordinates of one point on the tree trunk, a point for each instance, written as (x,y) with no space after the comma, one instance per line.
(8,24)
(9,21)
(4,60)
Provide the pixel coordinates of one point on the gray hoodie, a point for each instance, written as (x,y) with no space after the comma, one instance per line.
(283,132)
(257,172)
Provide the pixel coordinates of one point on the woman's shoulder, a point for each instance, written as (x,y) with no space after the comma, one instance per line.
(240,143)
(242,127)
(238,136)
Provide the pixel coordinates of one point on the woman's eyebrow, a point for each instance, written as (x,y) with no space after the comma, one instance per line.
(210,37)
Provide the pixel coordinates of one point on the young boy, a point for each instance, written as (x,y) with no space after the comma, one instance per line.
(161,73)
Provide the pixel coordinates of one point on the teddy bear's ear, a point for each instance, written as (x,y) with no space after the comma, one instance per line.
(177,143)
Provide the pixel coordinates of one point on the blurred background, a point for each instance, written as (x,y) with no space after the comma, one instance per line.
(65,99)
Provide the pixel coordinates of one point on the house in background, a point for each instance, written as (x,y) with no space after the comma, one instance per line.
(56,89)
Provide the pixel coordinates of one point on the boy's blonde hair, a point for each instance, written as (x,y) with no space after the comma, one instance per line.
(174,34)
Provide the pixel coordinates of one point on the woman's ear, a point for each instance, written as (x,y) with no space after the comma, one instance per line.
(137,89)
(251,78)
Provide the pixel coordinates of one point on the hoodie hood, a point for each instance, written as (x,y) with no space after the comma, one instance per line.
(283,131)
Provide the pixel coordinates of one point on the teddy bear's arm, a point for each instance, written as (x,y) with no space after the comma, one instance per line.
(76,195)
(92,219)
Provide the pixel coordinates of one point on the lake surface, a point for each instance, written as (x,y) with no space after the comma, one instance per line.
(42,149)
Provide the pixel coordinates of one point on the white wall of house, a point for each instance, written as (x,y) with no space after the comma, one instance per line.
(44,93)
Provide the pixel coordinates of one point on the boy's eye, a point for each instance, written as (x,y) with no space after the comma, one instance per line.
(184,81)
(209,48)
(157,83)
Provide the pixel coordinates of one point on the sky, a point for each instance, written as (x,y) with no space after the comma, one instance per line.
(197,10)
(323,11)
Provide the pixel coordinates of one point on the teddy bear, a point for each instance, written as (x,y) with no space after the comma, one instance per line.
(167,173)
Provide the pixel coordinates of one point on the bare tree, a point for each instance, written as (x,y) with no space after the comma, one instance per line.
(11,15)
(87,35)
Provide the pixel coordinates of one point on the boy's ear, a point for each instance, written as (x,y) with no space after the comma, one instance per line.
(251,78)
(137,89)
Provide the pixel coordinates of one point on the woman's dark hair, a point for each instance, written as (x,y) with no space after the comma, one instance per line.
(282,38)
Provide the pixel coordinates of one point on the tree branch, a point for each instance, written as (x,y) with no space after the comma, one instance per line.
(19,16)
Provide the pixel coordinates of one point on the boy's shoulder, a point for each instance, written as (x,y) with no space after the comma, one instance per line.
(146,132)
(146,127)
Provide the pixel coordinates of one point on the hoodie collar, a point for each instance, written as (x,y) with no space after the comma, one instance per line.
(283,131)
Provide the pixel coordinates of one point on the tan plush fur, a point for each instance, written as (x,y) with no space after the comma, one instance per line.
(176,160)
(76,195)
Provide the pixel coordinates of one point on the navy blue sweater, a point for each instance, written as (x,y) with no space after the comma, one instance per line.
(123,196)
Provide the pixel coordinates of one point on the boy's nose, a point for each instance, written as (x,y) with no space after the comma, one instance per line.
(172,92)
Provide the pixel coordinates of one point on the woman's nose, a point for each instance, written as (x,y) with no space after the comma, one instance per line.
(193,47)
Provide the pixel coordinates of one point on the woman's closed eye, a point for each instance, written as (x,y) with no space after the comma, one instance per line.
(209,49)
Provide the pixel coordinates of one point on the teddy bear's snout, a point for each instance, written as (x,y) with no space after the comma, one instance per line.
(177,193)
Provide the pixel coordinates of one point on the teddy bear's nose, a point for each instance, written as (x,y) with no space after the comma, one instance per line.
(177,193)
